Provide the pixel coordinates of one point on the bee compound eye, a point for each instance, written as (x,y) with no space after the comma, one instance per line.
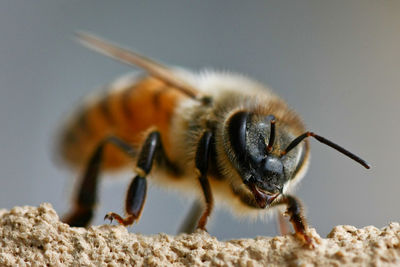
(237,134)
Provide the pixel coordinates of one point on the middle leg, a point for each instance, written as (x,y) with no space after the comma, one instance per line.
(189,224)
(282,225)
(202,159)
(136,194)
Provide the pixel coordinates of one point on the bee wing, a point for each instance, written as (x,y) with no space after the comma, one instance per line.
(134,59)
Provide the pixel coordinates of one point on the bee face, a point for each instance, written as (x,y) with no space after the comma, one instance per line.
(258,155)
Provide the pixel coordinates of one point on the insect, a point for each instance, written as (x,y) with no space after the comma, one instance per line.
(220,136)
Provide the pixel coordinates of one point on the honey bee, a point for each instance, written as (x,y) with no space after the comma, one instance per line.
(220,136)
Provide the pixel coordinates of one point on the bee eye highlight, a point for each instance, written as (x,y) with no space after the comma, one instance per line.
(272,134)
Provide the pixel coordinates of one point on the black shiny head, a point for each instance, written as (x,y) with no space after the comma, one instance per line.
(253,139)
(260,154)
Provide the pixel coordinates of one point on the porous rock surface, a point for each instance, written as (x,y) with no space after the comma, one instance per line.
(34,236)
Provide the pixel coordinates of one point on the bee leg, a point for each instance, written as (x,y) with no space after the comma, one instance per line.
(201,160)
(189,224)
(294,210)
(283,227)
(136,194)
(87,194)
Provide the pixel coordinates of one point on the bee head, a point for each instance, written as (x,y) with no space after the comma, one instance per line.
(253,140)
(261,154)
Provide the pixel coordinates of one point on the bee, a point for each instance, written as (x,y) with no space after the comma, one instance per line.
(219,136)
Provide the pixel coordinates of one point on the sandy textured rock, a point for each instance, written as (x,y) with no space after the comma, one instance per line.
(35,237)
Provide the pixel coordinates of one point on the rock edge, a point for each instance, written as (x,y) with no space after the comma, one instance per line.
(34,236)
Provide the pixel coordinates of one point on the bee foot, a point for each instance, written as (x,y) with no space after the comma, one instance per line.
(306,239)
(114,216)
(130,219)
(109,217)
(201,229)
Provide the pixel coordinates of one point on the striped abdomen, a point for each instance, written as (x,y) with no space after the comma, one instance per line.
(125,111)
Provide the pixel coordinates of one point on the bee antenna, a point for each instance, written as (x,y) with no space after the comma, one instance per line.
(325,141)
(272,133)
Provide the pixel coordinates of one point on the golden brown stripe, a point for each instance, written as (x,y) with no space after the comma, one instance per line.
(105,109)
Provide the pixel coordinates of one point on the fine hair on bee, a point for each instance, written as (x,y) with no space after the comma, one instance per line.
(221,136)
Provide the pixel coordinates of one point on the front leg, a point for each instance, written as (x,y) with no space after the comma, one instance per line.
(136,194)
(202,160)
(295,212)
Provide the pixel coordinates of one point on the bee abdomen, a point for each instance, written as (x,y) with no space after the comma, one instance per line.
(126,112)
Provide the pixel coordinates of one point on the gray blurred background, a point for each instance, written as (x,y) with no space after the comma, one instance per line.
(337,63)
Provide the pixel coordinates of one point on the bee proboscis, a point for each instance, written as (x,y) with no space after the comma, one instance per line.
(220,136)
